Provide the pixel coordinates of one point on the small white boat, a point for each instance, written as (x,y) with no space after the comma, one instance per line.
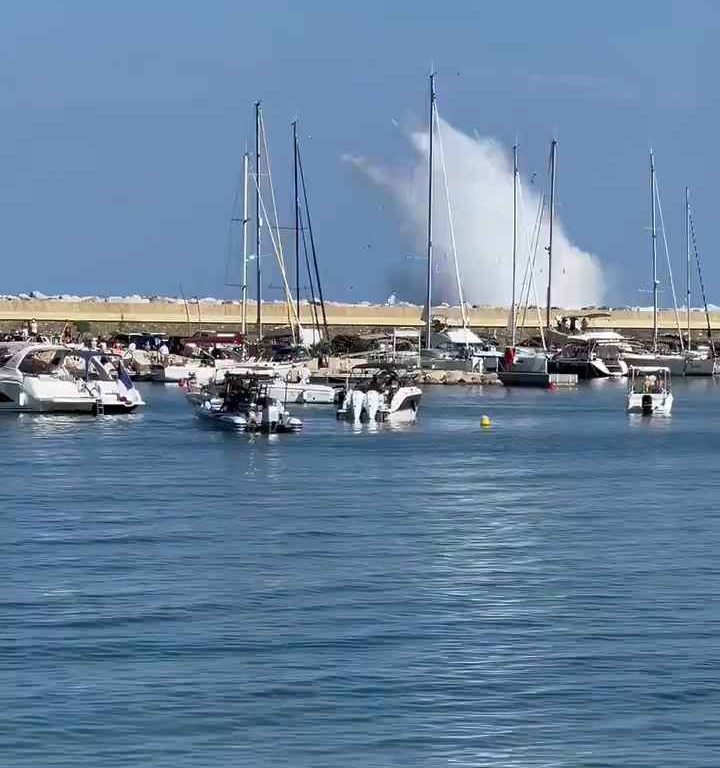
(246,405)
(385,397)
(33,378)
(649,391)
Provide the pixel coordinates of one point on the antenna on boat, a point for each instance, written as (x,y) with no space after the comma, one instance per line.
(258,261)
(553,161)
(653,239)
(513,323)
(428,301)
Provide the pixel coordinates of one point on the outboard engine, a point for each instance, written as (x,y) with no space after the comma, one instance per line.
(647,405)
(373,401)
(270,415)
(358,401)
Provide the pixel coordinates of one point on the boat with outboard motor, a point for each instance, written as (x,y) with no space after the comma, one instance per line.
(649,391)
(245,404)
(382,395)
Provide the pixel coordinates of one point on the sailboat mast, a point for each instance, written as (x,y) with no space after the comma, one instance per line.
(687,263)
(258,262)
(513,323)
(428,302)
(553,154)
(297,217)
(245,245)
(653,240)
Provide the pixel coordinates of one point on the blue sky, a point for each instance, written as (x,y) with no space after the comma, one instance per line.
(123,126)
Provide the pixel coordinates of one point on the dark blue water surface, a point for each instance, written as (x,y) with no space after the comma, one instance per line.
(541,593)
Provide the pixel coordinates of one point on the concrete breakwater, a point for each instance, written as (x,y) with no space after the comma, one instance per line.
(184,318)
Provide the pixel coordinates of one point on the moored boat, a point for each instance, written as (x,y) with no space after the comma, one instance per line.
(33,378)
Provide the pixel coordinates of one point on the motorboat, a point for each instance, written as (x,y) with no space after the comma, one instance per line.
(107,378)
(245,405)
(649,390)
(592,355)
(385,396)
(33,378)
(203,369)
(291,383)
(287,383)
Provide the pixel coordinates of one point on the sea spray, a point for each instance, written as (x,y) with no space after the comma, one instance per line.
(479,172)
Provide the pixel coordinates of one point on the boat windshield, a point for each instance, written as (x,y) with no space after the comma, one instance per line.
(649,383)
(45,361)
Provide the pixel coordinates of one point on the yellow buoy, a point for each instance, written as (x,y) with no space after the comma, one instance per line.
(485,421)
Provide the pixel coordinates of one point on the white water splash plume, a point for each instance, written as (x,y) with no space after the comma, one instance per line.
(480,185)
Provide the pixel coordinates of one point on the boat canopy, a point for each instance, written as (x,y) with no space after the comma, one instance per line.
(460,336)
(648,369)
(597,336)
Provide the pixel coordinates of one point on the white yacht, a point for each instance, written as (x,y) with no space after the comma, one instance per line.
(34,378)
(385,397)
(649,391)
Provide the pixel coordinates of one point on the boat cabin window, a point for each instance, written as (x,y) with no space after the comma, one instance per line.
(46,361)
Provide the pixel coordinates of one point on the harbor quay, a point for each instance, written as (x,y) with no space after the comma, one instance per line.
(180,318)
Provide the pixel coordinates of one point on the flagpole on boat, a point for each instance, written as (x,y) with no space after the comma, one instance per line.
(428,301)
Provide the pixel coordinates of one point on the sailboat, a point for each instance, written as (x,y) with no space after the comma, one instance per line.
(698,362)
(657,357)
(526,366)
(447,347)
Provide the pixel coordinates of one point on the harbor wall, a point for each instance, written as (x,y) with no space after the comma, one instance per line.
(104,316)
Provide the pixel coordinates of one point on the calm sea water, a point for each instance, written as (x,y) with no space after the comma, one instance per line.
(542,593)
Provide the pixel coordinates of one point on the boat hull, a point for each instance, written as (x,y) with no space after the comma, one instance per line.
(36,396)
(583,369)
(650,404)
